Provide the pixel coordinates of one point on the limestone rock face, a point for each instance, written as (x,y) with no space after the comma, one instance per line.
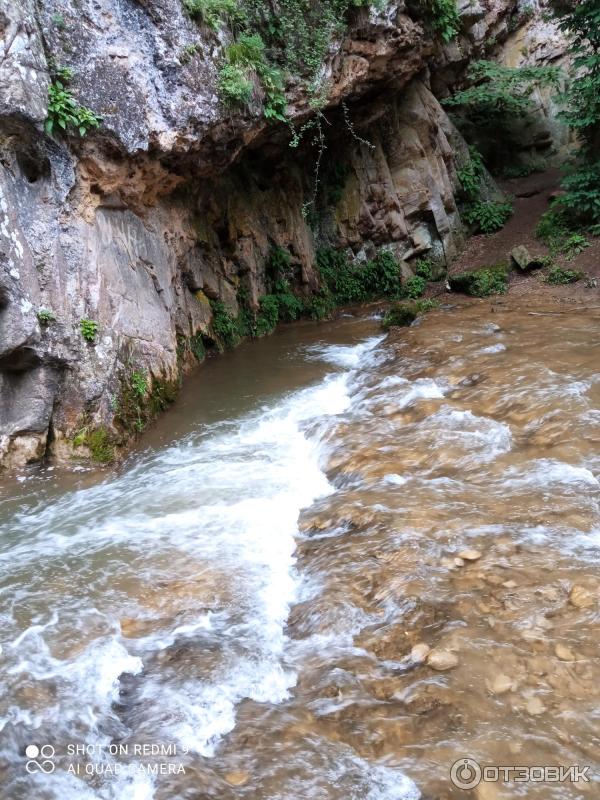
(176,200)
(535,40)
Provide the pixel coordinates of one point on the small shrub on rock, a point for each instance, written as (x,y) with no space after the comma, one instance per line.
(89,329)
(46,316)
(414,287)
(424,268)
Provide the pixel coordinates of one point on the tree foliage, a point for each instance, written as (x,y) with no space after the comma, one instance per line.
(497,94)
(580,21)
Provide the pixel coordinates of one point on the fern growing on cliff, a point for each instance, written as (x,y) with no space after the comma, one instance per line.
(215,13)
(234,87)
(245,59)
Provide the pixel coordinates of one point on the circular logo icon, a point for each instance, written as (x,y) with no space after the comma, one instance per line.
(46,752)
(465,773)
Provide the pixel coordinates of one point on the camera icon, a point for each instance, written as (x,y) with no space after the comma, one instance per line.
(465,773)
(40,759)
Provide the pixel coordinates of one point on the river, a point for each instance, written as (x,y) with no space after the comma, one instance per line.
(340,563)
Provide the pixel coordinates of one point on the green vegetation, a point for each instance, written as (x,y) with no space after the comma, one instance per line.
(487,216)
(550,229)
(139,383)
(444,18)
(320,306)
(140,399)
(216,13)
(345,281)
(225,326)
(581,24)
(132,407)
(574,244)
(352,282)
(581,201)
(498,94)
(89,329)
(234,87)
(424,269)
(494,98)
(163,394)
(404,314)
(400,315)
(279,272)
(555,231)
(246,59)
(196,343)
(279,304)
(425,304)
(558,276)
(470,175)
(481,282)
(98,441)
(579,207)
(46,316)
(188,52)
(342,281)
(64,111)
(414,287)
(291,38)
(268,315)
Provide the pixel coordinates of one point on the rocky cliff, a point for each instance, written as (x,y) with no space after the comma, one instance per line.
(176,200)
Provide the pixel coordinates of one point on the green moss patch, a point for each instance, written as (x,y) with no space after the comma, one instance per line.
(558,276)
(481,282)
(401,315)
(98,441)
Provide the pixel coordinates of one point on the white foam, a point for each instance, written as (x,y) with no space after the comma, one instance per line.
(329,771)
(231,500)
(482,437)
(395,480)
(493,348)
(491,327)
(345,356)
(546,471)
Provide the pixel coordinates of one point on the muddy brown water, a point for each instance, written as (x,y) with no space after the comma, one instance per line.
(268,584)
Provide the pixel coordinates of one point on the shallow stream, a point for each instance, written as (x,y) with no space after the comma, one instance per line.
(271,589)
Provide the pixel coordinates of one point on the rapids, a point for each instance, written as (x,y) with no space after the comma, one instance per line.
(255,590)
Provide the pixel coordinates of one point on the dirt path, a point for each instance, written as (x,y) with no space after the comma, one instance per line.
(531,200)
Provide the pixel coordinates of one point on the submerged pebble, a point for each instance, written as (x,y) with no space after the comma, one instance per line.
(442,660)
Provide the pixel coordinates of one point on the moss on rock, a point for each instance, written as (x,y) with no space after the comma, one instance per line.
(401,315)
(98,441)
(482,282)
